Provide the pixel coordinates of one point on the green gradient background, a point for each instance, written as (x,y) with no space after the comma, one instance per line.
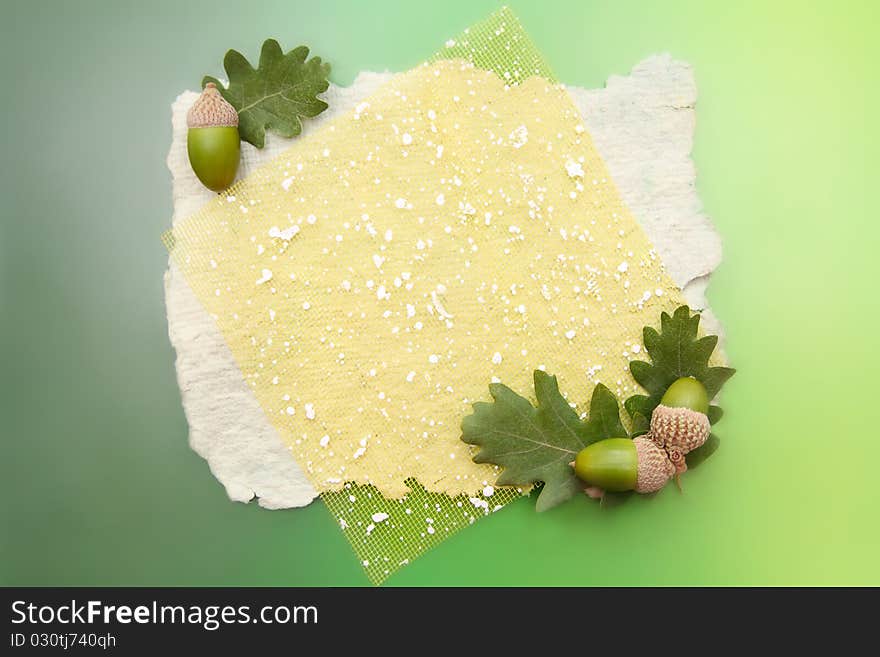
(98,483)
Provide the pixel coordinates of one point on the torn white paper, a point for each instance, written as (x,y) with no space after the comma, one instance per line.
(642,124)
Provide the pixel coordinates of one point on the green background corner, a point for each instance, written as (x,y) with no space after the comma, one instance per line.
(99,484)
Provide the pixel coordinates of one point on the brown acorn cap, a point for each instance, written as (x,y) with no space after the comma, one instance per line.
(654,468)
(679,428)
(211,110)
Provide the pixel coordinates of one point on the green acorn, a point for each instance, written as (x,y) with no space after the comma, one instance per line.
(621,464)
(212,140)
(686,392)
(680,421)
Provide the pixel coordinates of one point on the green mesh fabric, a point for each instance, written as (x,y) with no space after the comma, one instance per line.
(501,45)
(413,525)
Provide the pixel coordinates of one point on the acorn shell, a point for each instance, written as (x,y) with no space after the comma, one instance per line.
(655,468)
(211,110)
(679,428)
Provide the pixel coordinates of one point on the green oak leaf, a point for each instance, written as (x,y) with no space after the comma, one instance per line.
(675,352)
(276,95)
(703,452)
(536,444)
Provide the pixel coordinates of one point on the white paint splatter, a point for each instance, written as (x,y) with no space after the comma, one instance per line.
(467,209)
(287,234)
(519,137)
(574,169)
(441,311)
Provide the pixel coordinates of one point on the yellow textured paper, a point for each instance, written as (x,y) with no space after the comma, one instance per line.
(376,277)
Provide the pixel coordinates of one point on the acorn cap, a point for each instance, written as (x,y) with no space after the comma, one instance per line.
(679,428)
(655,468)
(211,110)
